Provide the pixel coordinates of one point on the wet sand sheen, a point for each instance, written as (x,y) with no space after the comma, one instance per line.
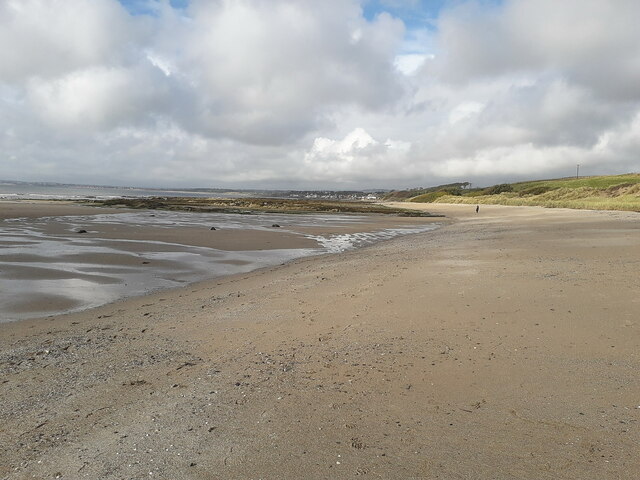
(25,272)
(124,253)
(43,303)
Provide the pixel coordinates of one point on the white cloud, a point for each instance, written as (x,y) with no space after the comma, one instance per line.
(356,157)
(410,63)
(50,37)
(593,43)
(270,72)
(91,98)
(465,111)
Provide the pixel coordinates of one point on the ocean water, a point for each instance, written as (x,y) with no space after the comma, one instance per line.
(29,191)
(47,268)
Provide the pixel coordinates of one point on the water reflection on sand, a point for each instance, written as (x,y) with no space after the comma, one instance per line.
(47,267)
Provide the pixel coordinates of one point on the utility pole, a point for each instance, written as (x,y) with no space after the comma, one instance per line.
(577,171)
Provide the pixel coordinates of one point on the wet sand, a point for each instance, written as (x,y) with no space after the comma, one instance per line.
(59,257)
(503,345)
(40,208)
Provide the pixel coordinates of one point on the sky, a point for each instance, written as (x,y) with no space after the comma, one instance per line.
(307,94)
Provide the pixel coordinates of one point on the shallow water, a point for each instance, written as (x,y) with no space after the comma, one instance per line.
(48,268)
(32,191)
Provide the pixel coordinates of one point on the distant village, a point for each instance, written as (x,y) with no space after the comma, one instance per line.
(334,195)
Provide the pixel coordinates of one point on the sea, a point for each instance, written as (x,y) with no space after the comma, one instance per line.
(47,268)
(40,191)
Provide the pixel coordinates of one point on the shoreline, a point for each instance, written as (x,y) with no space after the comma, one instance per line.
(502,345)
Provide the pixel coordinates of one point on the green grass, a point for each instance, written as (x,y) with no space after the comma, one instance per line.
(403,195)
(600,182)
(613,192)
(430,197)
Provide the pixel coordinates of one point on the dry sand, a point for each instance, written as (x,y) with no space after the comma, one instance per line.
(502,346)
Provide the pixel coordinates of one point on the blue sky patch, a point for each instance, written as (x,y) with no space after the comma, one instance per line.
(146,7)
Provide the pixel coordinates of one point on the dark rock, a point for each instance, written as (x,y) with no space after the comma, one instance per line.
(212,228)
(82,230)
(275,225)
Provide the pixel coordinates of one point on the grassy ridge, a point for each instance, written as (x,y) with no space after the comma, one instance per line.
(613,192)
(600,182)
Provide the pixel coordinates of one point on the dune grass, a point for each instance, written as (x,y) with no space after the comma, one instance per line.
(613,192)
(599,182)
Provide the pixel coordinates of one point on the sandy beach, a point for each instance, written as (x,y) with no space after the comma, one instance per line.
(503,345)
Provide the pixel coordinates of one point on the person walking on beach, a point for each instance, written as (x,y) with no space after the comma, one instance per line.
(477,208)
